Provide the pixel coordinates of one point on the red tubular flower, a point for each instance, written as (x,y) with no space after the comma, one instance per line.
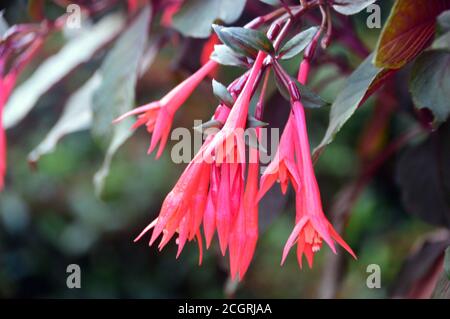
(230,137)
(283,168)
(227,149)
(158,116)
(311,224)
(212,189)
(183,209)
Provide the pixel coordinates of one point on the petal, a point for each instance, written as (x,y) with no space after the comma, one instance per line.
(340,241)
(267,181)
(200,247)
(224,209)
(162,126)
(163,141)
(300,250)
(309,255)
(320,224)
(209,220)
(200,200)
(141,109)
(293,237)
(183,230)
(150,226)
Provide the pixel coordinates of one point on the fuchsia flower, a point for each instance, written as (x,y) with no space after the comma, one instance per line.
(212,190)
(311,224)
(293,163)
(158,116)
(283,168)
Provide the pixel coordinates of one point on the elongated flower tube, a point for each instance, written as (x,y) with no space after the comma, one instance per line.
(212,189)
(283,167)
(230,137)
(312,227)
(227,149)
(158,116)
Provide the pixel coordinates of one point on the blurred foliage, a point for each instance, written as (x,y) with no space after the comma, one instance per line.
(50,216)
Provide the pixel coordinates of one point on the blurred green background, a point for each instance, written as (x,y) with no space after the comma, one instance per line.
(50,216)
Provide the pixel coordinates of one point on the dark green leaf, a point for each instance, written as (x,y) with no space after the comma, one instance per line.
(244,41)
(349,99)
(349,7)
(309,98)
(298,43)
(203,128)
(221,92)
(254,122)
(196,16)
(430,83)
(225,56)
(423,175)
(116,94)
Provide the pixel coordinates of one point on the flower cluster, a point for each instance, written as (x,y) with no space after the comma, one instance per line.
(220,189)
(218,192)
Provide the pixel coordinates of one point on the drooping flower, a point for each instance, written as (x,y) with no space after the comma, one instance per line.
(183,208)
(283,167)
(227,149)
(158,116)
(212,189)
(312,227)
